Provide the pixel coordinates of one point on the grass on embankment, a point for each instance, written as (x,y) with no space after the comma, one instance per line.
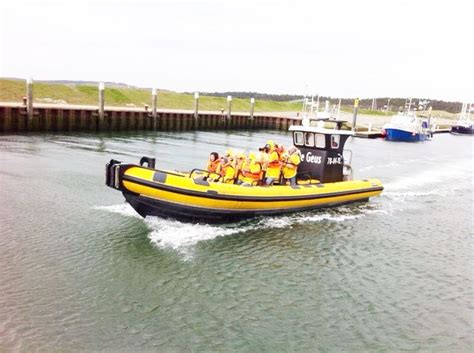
(14,91)
(379,113)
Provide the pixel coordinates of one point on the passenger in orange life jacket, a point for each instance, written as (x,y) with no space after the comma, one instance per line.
(212,165)
(252,172)
(265,150)
(240,164)
(281,150)
(230,171)
(222,167)
(273,165)
(282,153)
(290,165)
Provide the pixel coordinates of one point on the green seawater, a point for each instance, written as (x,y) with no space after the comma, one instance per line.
(80,271)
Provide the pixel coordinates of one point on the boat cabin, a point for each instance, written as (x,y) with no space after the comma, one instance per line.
(322,152)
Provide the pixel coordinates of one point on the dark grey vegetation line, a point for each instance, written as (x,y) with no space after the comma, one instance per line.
(395,103)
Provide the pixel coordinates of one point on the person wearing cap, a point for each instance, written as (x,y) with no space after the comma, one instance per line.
(290,165)
(273,165)
(251,174)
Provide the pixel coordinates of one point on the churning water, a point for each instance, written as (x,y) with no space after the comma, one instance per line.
(81,271)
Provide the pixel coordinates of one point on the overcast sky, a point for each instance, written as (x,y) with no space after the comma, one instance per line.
(341,48)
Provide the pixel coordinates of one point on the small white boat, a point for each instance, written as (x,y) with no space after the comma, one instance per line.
(464,126)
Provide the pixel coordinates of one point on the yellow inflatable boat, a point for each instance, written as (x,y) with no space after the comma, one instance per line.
(323,180)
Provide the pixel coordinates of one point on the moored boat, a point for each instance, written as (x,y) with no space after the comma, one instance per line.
(464,126)
(407,127)
(323,180)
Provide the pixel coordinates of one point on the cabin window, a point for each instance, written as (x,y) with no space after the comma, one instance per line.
(299,140)
(320,141)
(335,139)
(309,139)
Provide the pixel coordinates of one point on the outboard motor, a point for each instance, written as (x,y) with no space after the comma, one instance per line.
(321,152)
(112,174)
(114,171)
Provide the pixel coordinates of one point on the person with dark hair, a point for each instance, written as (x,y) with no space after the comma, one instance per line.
(212,165)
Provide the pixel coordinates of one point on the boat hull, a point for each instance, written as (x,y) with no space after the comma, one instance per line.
(146,206)
(402,135)
(189,197)
(462,130)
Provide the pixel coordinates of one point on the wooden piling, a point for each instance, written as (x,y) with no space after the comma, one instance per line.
(229,107)
(58,120)
(196,109)
(101,103)
(252,107)
(47,120)
(29,101)
(354,116)
(6,119)
(154,106)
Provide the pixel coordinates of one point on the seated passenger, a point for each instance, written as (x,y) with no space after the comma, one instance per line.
(273,165)
(252,173)
(264,151)
(262,159)
(280,148)
(222,167)
(212,165)
(240,164)
(290,165)
(230,171)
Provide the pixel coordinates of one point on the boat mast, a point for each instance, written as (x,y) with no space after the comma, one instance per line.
(463,112)
(408,106)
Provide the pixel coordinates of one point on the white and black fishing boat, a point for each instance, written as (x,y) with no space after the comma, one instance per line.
(464,126)
(407,126)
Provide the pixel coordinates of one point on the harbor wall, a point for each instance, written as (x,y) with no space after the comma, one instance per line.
(17,119)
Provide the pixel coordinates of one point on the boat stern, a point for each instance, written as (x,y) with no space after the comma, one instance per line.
(112,174)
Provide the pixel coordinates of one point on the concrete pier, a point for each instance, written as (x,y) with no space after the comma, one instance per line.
(51,118)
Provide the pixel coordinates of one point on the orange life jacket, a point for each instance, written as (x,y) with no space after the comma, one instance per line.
(212,166)
(275,163)
(252,172)
(222,169)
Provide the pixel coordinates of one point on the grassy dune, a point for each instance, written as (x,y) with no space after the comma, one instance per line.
(14,90)
(85,94)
